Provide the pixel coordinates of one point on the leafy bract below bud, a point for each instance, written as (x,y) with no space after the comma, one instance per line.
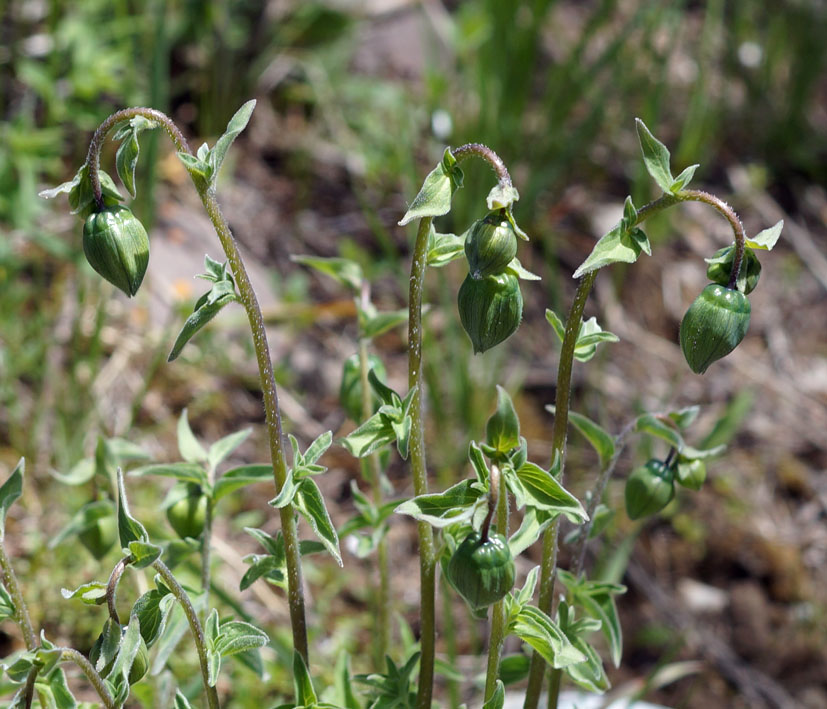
(482,572)
(713,326)
(649,489)
(490,245)
(490,309)
(720,268)
(117,247)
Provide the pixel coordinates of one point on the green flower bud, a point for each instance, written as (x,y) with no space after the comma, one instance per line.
(649,489)
(713,326)
(691,473)
(482,572)
(720,267)
(350,391)
(490,245)
(490,309)
(117,247)
(189,514)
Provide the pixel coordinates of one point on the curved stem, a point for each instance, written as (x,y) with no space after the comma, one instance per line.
(427,555)
(497,632)
(484,153)
(561,418)
(72,655)
(493,496)
(112,588)
(21,610)
(93,156)
(195,627)
(248,299)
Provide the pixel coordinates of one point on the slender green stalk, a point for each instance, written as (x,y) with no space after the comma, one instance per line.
(249,301)
(206,538)
(195,627)
(549,562)
(427,554)
(383,596)
(497,632)
(72,655)
(21,610)
(112,588)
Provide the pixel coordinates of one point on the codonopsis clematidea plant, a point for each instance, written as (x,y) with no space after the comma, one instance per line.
(475,546)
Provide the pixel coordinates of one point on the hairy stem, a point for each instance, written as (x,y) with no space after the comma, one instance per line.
(383,590)
(21,610)
(427,555)
(112,588)
(484,153)
(249,301)
(195,627)
(497,632)
(561,416)
(71,655)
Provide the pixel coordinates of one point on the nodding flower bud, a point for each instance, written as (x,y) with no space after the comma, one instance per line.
(117,247)
(482,572)
(720,268)
(713,326)
(649,489)
(490,309)
(490,245)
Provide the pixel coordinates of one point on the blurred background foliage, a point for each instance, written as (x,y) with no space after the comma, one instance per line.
(356,102)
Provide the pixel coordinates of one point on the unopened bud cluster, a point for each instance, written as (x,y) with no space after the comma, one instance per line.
(490,302)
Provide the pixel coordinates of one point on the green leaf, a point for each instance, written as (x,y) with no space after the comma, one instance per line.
(615,246)
(442,509)
(199,170)
(533,525)
(478,462)
(310,503)
(444,248)
(237,478)
(143,554)
(129,529)
(181,701)
(690,453)
(654,426)
(318,448)
(655,157)
(223,447)
(236,636)
(515,267)
(501,196)
(10,491)
(81,196)
(185,472)
(381,322)
(7,610)
(129,646)
(305,694)
(189,447)
(199,318)
(81,472)
(685,417)
(211,633)
(346,697)
(434,198)
(90,593)
(600,439)
(343,270)
(502,431)
(152,610)
(497,700)
(767,238)
(538,630)
(683,179)
(589,336)
(373,434)
(287,493)
(546,494)
(126,159)
(237,124)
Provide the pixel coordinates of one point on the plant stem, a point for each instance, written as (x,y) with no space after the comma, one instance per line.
(561,416)
(195,627)
(206,538)
(112,588)
(427,555)
(248,299)
(91,673)
(484,153)
(21,610)
(497,632)
(383,589)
